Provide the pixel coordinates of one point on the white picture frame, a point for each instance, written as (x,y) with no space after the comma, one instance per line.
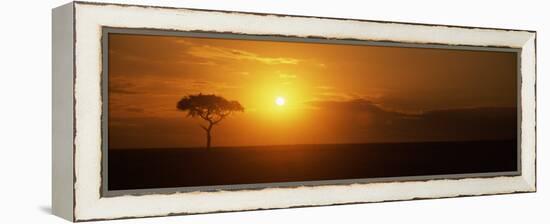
(77,111)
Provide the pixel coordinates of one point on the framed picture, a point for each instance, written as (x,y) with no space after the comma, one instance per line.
(163,111)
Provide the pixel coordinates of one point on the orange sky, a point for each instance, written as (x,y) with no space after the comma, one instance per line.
(333,93)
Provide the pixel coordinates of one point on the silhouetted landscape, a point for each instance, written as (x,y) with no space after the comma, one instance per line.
(163,168)
(189,111)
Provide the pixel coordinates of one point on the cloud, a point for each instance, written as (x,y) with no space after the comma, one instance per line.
(327,95)
(358,106)
(221,53)
(325,87)
(382,124)
(122,87)
(286,76)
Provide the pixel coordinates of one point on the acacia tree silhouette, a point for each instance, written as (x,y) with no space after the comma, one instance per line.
(210,108)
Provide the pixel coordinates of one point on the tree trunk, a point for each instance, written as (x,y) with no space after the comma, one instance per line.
(209,135)
(208,139)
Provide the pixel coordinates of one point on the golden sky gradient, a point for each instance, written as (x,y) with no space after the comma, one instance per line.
(332,93)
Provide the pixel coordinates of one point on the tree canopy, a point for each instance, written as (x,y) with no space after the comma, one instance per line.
(210,108)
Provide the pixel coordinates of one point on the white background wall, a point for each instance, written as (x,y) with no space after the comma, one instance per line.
(25,112)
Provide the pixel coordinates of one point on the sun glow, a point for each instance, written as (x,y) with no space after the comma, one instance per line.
(280,101)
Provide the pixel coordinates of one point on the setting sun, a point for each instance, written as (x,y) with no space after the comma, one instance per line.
(280,101)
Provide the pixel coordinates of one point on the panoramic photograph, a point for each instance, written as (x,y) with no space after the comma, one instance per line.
(215,111)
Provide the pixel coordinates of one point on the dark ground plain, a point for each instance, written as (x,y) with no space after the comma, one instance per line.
(163,168)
